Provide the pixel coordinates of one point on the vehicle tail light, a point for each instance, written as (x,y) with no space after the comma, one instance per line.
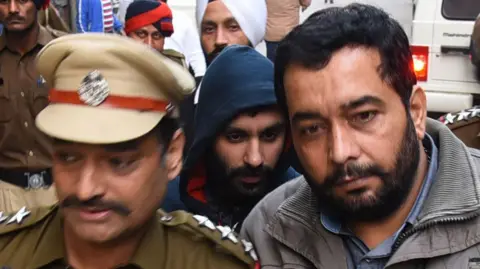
(420,62)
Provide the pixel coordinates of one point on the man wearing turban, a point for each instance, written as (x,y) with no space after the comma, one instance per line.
(150,22)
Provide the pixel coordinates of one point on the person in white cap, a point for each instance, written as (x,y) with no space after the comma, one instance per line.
(226,22)
(116,146)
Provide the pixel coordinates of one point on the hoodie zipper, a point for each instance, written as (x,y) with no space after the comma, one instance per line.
(404,236)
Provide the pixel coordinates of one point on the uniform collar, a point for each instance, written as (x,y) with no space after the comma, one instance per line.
(44,36)
(51,247)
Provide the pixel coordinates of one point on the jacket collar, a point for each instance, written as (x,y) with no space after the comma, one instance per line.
(456,188)
(454,193)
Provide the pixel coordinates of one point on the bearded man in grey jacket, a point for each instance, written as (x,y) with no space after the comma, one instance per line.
(383,185)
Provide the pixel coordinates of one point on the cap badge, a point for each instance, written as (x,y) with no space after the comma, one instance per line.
(94,89)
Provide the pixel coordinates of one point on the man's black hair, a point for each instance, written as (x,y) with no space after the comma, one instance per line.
(165,130)
(313,43)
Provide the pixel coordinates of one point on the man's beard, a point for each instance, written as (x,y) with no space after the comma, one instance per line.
(396,186)
(226,183)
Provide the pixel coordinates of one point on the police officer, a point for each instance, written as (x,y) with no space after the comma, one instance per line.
(115,149)
(465,125)
(150,22)
(25,153)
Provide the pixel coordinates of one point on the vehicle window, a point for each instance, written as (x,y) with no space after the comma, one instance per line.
(461,9)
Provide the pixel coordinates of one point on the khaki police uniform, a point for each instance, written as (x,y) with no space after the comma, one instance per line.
(24,150)
(175,56)
(50,19)
(465,125)
(178,240)
(120,94)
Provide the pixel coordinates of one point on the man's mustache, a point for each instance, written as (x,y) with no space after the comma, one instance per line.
(13,18)
(215,52)
(97,203)
(354,170)
(248,171)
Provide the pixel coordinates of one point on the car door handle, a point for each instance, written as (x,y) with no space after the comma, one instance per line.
(452,49)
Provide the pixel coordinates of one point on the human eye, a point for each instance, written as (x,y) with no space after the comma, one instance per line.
(363,117)
(235,137)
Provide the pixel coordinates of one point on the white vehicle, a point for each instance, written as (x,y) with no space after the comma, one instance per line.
(186,6)
(440,45)
(439,32)
(401,10)
(440,40)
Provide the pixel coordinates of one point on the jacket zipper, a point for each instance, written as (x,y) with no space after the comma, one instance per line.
(404,236)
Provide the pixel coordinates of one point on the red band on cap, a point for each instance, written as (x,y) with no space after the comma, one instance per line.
(167,26)
(112,101)
(147,18)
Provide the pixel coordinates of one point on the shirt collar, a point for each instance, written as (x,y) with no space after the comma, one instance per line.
(51,247)
(334,225)
(44,36)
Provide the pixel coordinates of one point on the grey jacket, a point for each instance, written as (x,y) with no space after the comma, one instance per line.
(286,231)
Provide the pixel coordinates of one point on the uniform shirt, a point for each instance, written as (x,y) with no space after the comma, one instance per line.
(23,95)
(176,241)
(360,256)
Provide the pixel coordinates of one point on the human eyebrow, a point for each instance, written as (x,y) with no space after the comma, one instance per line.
(230,20)
(276,127)
(364,100)
(306,115)
(232,129)
(208,23)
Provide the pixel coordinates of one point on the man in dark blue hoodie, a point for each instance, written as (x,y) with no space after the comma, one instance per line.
(239,152)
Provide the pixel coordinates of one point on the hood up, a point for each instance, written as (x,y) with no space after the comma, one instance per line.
(238,79)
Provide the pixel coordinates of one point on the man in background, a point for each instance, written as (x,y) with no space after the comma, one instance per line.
(283,16)
(150,22)
(240,148)
(226,22)
(25,152)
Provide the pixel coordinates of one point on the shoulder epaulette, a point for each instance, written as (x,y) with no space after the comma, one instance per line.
(57,33)
(175,56)
(223,236)
(462,118)
(23,218)
(173,53)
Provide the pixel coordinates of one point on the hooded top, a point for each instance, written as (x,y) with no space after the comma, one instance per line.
(251,15)
(238,79)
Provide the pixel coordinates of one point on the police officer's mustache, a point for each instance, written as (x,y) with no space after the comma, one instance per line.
(13,17)
(95,202)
